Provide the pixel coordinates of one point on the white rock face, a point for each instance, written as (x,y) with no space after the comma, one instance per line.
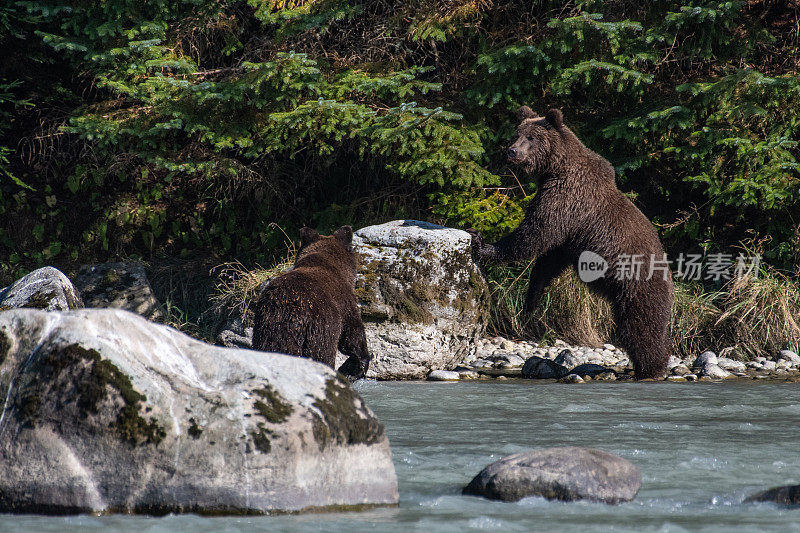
(45,288)
(103,411)
(423,300)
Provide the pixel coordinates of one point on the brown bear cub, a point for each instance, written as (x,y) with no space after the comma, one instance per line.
(311,310)
(578,209)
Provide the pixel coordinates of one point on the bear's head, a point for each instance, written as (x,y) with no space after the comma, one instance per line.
(539,140)
(309,236)
(338,247)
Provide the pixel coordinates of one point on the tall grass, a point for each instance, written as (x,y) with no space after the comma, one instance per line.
(568,310)
(184,288)
(760,315)
(748,316)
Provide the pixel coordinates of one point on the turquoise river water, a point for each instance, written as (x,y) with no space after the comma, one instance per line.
(702,448)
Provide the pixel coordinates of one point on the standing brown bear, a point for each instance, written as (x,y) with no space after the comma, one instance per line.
(311,310)
(578,209)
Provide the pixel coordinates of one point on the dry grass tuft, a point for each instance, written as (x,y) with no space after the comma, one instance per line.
(694,315)
(759,315)
(237,287)
(568,310)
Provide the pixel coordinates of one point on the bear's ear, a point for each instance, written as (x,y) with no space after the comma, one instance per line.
(555,118)
(525,112)
(344,235)
(307,236)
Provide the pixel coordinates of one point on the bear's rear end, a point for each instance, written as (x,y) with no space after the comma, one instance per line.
(311,311)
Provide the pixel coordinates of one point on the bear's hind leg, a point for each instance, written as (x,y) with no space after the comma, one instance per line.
(643,333)
(544,271)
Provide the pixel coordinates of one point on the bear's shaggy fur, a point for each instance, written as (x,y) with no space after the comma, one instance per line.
(578,208)
(311,310)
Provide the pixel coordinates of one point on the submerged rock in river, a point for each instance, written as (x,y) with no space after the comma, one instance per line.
(788,495)
(422,298)
(45,288)
(568,474)
(104,411)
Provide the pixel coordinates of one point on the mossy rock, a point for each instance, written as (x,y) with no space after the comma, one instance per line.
(423,299)
(109,412)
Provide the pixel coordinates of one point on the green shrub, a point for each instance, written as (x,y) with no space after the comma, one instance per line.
(189,129)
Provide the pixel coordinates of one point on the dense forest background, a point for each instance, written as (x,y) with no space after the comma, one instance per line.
(195,132)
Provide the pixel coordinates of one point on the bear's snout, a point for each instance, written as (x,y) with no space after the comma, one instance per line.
(512,153)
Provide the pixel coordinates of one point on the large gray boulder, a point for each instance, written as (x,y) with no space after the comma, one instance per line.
(120,286)
(422,298)
(45,288)
(103,411)
(567,474)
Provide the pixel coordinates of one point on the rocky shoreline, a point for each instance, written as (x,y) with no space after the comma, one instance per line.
(501,358)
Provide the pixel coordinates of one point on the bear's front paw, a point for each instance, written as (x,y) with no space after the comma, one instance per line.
(354,369)
(480,251)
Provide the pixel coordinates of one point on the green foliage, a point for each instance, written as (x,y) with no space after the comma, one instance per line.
(192,128)
(733,142)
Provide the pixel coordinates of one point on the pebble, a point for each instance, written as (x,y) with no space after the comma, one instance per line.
(714,372)
(568,359)
(443,375)
(788,355)
(508,357)
(730,365)
(516,360)
(680,370)
(573,378)
(705,358)
(541,368)
(589,369)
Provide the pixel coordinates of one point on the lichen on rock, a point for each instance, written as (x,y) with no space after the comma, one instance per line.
(46,288)
(271,406)
(423,300)
(92,378)
(343,417)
